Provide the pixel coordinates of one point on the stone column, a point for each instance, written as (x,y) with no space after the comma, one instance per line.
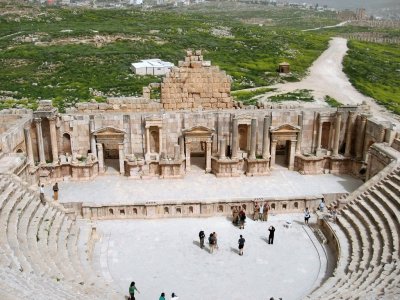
(208,157)
(253,139)
(28,144)
(53,138)
(181,143)
(160,141)
(319,136)
(234,138)
(362,122)
(273,152)
(147,141)
(121,156)
(382,134)
(92,138)
(292,154)
(177,150)
(299,135)
(39,136)
(222,149)
(336,141)
(349,132)
(266,141)
(127,128)
(100,157)
(187,161)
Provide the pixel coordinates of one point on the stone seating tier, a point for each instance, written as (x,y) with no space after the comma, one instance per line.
(39,252)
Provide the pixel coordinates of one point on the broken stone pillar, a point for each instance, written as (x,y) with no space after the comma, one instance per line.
(292,154)
(349,132)
(121,158)
(181,142)
(319,136)
(92,137)
(234,138)
(127,138)
(362,122)
(177,152)
(28,144)
(336,141)
(266,141)
(299,135)
(253,139)
(39,136)
(222,149)
(100,157)
(273,152)
(208,157)
(53,138)
(187,162)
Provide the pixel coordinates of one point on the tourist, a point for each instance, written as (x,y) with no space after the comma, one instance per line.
(55,190)
(242,218)
(211,242)
(271,230)
(42,194)
(265,211)
(174,296)
(256,212)
(215,240)
(132,289)
(321,206)
(307,215)
(162,297)
(261,212)
(202,236)
(241,244)
(235,215)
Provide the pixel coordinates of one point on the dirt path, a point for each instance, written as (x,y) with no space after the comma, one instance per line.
(331,26)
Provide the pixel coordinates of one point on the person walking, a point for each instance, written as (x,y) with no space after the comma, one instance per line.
(201,237)
(162,297)
(174,296)
(132,290)
(55,191)
(41,190)
(242,219)
(271,230)
(256,215)
(307,216)
(321,206)
(261,212)
(241,244)
(265,211)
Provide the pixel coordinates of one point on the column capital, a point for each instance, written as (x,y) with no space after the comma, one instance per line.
(37,120)
(52,118)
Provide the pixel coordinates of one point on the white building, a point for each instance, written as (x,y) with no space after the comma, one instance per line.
(155,67)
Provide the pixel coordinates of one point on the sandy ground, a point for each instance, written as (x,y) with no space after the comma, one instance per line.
(164,256)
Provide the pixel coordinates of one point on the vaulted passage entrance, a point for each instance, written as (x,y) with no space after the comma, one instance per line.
(198,142)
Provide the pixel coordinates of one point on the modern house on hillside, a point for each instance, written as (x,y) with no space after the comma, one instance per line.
(155,67)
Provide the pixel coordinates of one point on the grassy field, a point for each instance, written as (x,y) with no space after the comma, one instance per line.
(53,54)
(374,69)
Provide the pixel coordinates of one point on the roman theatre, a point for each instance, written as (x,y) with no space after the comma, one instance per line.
(139,177)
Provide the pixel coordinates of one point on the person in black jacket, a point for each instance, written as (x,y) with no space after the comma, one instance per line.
(202,236)
(271,230)
(241,244)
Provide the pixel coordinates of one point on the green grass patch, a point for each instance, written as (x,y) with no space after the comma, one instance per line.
(248,97)
(298,95)
(374,70)
(332,101)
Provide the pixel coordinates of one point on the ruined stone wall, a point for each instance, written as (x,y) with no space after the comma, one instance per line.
(196,84)
(12,122)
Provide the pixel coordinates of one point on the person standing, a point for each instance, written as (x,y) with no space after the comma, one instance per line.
(235,215)
(242,219)
(41,189)
(256,212)
(132,290)
(55,190)
(265,211)
(321,206)
(215,240)
(261,212)
(162,297)
(211,242)
(241,244)
(307,216)
(202,236)
(271,230)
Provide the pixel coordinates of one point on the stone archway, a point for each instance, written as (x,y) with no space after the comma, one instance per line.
(202,135)
(110,144)
(284,134)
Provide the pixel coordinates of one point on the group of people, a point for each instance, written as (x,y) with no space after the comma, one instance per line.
(133,290)
(261,211)
(212,240)
(238,216)
(41,192)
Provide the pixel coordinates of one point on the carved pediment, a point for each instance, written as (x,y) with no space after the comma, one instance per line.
(198,131)
(109,131)
(244,119)
(285,128)
(153,120)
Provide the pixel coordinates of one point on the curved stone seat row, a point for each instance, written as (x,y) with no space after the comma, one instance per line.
(368,230)
(39,253)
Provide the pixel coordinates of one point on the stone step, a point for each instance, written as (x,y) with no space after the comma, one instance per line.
(6,195)
(389,195)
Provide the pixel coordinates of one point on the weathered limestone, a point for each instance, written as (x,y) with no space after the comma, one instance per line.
(266,140)
(100,157)
(92,137)
(349,131)
(121,156)
(337,134)
(39,136)
(319,136)
(28,143)
(361,124)
(53,138)
(253,139)
(222,149)
(234,138)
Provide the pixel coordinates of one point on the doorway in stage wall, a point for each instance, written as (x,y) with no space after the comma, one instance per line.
(198,156)
(282,154)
